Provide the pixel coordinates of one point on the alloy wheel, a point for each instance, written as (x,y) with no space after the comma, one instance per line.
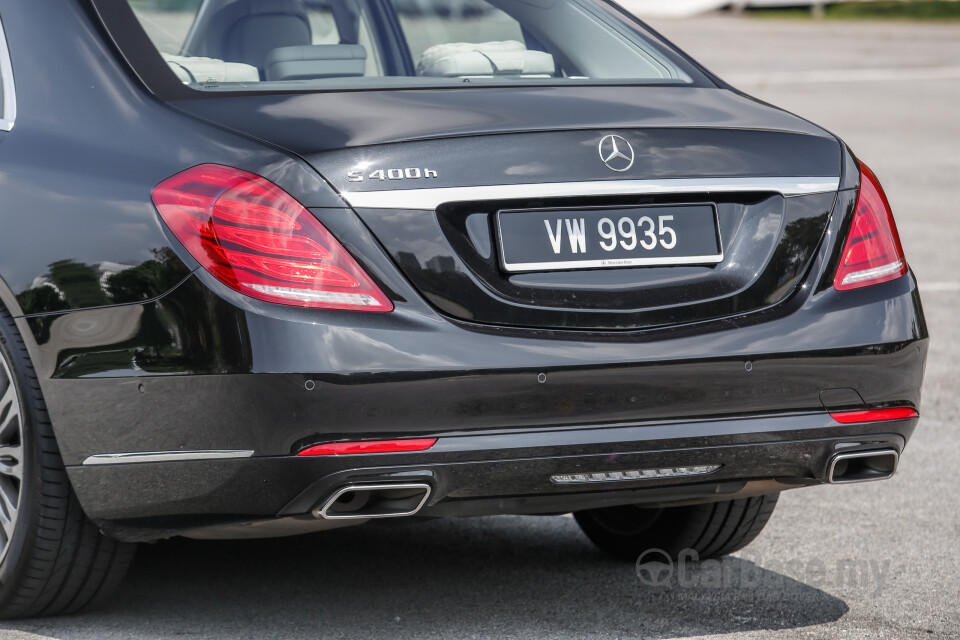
(11,455)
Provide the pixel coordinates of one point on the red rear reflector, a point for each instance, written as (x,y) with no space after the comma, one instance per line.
(256,239)
(873,253)
(875,415)
(369,446)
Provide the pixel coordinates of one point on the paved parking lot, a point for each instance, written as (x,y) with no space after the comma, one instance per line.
(877,560)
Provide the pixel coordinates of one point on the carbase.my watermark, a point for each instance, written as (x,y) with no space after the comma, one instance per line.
(750,570)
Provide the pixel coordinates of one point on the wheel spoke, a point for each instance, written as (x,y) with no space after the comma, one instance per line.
(10,410)
(9,395)
(9,498)
(10,457)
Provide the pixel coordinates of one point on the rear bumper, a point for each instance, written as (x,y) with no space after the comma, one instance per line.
(196,370)
(487,474)
(203,369)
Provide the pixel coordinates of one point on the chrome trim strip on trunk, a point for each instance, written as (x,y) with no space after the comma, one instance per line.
(430,199)
(164,456)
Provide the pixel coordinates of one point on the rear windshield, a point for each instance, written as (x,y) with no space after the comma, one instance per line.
(314,45)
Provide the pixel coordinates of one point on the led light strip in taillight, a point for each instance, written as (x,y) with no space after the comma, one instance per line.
(256,239)
(874,415)
(369,446)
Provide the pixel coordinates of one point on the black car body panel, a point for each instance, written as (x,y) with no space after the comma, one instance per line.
(81,184)
(477,378)
(313,123)
(520,376)
(679,132)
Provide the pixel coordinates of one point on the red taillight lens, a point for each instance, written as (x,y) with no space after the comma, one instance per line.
(369,446)
(258,240)
(873,253)
(875,415)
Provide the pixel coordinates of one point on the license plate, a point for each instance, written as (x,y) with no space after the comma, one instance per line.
(608,238)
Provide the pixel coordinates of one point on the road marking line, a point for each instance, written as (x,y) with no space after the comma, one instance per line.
(847,75)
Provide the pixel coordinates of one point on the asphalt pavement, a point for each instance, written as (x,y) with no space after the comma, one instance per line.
(878,560)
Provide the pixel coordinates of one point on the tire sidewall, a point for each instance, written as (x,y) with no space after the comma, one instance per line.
(24,533)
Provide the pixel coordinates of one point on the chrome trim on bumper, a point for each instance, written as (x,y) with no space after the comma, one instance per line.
(430,199)
(164,456)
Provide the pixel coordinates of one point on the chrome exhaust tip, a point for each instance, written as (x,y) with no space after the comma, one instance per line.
(366,501)
(862,466)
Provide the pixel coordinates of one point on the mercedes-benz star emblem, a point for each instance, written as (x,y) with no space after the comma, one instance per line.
(616,153)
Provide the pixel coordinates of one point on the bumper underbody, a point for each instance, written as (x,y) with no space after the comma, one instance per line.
(472,475)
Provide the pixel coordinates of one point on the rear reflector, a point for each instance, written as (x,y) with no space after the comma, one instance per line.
(256,239)
(369,446)
(875,415)
(873,253)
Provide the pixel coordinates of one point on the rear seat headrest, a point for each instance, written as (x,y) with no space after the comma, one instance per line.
(462,59)
(194,70)
(316,61)
(252,28)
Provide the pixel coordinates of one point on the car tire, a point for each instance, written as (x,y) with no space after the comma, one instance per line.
(53,560)
(711,530)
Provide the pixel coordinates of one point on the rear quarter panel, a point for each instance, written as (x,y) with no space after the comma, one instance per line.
(78,229)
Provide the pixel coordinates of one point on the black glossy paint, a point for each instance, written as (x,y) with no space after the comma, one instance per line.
(138,350)
(173,498)
(769,242)
(77,170)
(372,373)
(314,123)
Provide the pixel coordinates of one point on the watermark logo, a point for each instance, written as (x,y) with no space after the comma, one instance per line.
(657,568)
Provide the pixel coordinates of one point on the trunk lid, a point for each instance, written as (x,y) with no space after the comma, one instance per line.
(440,176)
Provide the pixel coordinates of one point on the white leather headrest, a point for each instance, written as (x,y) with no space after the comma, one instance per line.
(463,59)
(210,70)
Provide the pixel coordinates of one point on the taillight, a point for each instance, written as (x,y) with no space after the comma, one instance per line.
(873,253)
(256,239)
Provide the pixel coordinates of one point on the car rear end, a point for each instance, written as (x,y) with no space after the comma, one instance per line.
(474,417)
(271,267)
(535,295)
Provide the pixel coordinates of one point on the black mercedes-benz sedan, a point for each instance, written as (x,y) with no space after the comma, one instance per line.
(271,267)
